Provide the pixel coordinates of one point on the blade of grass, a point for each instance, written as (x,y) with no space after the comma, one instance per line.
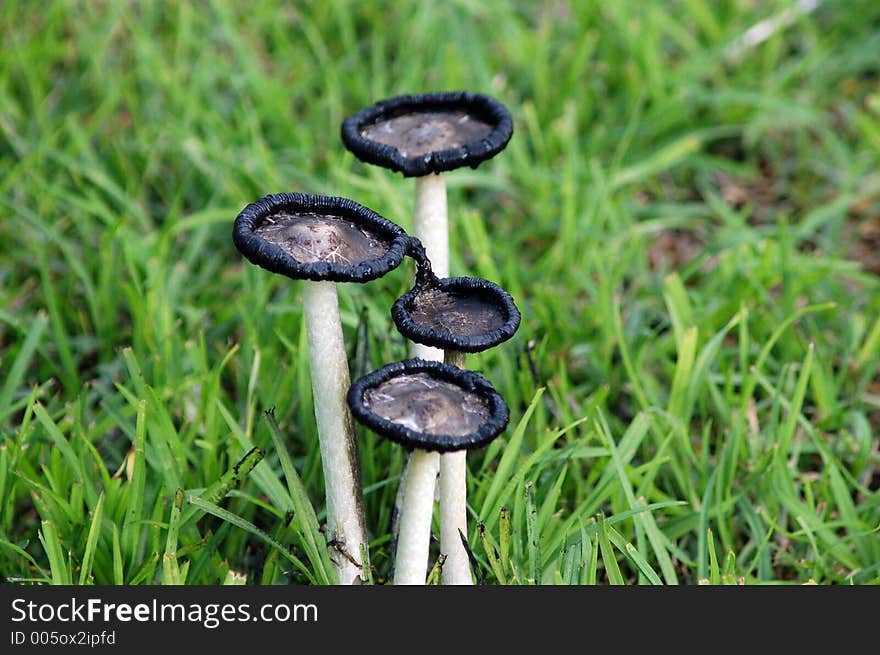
(92,541)
(508,460)
(170,569)
(54,551)
(132,525)
(218,490)
(633,555)
(15,373)
(247,526)
(714,569)
(532,536)
(504,534)
(612,570)
(314,543)
(491,556)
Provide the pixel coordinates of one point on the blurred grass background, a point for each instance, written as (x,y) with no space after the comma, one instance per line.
(690,229)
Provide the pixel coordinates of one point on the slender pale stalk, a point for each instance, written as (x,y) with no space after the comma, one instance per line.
(453,505)
(430,226)
(339,448)
(414,541)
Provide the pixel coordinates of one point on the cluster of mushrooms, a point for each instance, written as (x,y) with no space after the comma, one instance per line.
(430,404)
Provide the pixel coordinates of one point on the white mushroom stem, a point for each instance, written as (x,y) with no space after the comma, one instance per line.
(453,505)
(414,540)
(339,448)
(430,226)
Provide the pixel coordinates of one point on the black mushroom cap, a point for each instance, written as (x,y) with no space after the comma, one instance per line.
(429,405)
(313,237)
(468,314)
(429,133)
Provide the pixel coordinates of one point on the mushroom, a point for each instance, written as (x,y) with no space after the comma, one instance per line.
(429,407)
(323,240)
(460,315)
(423,136)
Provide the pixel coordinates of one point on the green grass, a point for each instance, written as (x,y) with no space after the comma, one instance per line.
(710,416)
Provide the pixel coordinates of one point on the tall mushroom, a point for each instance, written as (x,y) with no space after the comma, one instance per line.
(423,136)
(323,240)
(427,406)
(460,315)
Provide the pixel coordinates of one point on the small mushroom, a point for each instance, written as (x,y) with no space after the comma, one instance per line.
(423,136)
(429,407)
(460,315)
(323,240)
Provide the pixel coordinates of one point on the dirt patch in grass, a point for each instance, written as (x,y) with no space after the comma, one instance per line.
(766,196)
(761,193)
(671,249)
(862,234)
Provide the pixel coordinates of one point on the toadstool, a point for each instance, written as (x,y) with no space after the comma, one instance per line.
(323,240)
(429,407)
(424,136)
(460,315)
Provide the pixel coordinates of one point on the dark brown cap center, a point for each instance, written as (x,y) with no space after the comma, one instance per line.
(462,314)
(420,133)
(309,237)
(425,404)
